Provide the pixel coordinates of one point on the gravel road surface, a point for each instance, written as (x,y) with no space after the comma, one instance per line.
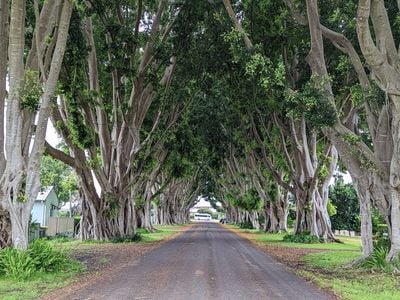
(205,262)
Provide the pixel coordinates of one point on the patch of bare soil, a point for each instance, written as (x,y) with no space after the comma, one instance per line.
(105,260)
(293,257)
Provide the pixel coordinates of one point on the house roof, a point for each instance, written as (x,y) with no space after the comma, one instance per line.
(44,193)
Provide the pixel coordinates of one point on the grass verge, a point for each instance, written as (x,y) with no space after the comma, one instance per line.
(327,265)
(162,233)
(97,256)
(35,287)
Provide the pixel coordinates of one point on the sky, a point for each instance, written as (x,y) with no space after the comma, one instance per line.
(51,135)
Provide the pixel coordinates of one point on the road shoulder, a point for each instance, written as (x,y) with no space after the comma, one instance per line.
(107,259)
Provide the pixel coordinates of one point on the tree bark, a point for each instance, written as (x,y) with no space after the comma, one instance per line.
(362,187)
(19,180)
(119,135)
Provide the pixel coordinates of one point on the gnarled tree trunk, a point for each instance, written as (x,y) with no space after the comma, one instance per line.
(19,178)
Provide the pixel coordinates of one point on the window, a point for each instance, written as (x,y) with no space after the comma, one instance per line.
(53,210)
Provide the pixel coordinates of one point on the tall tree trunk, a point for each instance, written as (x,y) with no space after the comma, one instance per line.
(362,186)
(5,222)
(19,182)
(147,215)
(395,182)
(4,17)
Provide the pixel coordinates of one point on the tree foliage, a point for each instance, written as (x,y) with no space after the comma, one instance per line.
(344,197)
(59,175)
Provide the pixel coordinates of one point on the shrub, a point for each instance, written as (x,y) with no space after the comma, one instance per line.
(291,218)
(304,238)
(378,222)
(344,197)
(396,264)
(137,237)
(261,218)
(40,257)
(381,238)
(16,264)
(46,258)
(290,221)
(377,260)
(246,225)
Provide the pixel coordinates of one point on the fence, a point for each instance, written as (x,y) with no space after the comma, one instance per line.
(62,225)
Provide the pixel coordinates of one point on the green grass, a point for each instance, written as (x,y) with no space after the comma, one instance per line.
(70,245)
(39,285)
(331,259)
(275,239)
(358,286)
(161,233)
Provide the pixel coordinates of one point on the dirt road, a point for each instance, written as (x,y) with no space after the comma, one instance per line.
(205,262)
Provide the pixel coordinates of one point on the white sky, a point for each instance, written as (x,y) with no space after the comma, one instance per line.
(346,177)
(51,135)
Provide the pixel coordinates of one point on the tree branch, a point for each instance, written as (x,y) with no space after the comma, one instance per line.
(59,155)
(238,26)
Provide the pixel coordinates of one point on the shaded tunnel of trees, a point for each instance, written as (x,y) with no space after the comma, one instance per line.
(255,104)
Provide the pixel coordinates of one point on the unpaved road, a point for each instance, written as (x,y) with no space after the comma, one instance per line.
(205,262)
